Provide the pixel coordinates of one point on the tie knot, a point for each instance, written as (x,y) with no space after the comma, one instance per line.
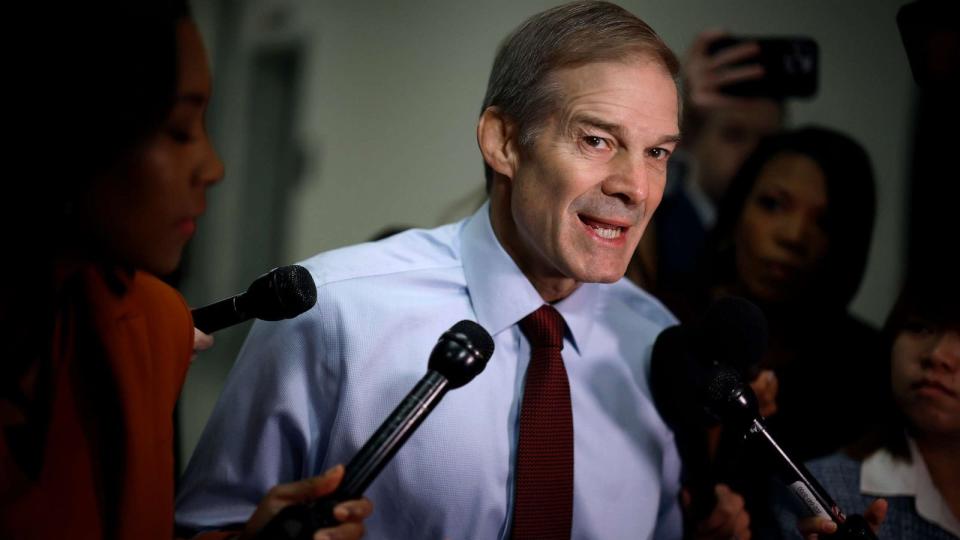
(544,327)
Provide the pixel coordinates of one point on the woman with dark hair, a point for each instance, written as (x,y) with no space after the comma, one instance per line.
(910,454)
(94,347)
(792,236)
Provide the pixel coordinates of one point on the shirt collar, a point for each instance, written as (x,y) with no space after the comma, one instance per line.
(502,295)
(884,474)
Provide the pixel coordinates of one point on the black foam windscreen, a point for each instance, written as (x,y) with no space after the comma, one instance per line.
(476,335)
(733,332)
(282,293)
(461,353)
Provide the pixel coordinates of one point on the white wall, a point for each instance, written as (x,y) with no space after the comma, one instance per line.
(391,92)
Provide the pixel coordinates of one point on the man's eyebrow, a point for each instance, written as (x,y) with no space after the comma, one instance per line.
(615,129)
(584,119)
(675,138)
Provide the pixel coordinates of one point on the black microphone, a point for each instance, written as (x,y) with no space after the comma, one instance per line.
(282,293)
(459,355)
(736,405)
(732,332)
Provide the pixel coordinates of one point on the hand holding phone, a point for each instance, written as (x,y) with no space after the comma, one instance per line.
(705,73)
(788,66)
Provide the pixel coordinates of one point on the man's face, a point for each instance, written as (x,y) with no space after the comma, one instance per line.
(582,194)
(728,136)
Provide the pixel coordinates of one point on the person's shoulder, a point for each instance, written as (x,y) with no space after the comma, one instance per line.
(151,290)
(414,250)
(836,471)
(164,306)
(166,332)
(115,293)
(640,303)
(837,460)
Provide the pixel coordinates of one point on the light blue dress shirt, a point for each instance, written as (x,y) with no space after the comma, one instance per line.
(305,394)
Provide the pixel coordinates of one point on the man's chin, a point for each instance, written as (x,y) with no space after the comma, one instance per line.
(601,277)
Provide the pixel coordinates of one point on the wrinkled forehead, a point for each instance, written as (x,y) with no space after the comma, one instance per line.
(560,86)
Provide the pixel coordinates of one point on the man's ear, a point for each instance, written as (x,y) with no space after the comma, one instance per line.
(497,137)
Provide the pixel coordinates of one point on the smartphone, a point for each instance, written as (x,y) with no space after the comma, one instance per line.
(790,67)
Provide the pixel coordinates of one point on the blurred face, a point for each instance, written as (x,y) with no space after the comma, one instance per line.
(780,240)
(578,200)
(728,136)
(145,209)
(926,384)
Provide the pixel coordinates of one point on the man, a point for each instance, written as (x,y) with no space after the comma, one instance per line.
(580,116)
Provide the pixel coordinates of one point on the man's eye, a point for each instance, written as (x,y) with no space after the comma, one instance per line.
(659,153)
(595,142)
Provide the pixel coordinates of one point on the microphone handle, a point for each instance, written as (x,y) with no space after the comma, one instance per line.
(219,315)
(300,521)
(392,433)
(806,488)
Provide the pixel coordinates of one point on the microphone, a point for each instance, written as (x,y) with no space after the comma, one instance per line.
(732,332)
(459,355)
(282,293)
(735,404)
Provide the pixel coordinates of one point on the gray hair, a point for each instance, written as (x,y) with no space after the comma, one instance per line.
(566,36)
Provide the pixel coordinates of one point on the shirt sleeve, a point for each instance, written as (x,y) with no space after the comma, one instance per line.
(266,427)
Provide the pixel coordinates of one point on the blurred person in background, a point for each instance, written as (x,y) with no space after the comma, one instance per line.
(95,347)
(909,455)
(792,236)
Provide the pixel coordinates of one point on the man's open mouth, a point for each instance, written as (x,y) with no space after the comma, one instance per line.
(603,229)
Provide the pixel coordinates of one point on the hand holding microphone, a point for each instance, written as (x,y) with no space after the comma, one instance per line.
(713,358)
(459,355)
(732,332)
(734,403)
(350,514)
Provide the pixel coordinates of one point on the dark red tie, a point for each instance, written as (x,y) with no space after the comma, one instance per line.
(543,507)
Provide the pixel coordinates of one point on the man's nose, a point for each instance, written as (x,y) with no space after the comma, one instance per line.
(628,181)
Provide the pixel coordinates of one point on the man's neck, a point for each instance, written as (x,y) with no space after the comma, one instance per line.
(552,286)
(553,290)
